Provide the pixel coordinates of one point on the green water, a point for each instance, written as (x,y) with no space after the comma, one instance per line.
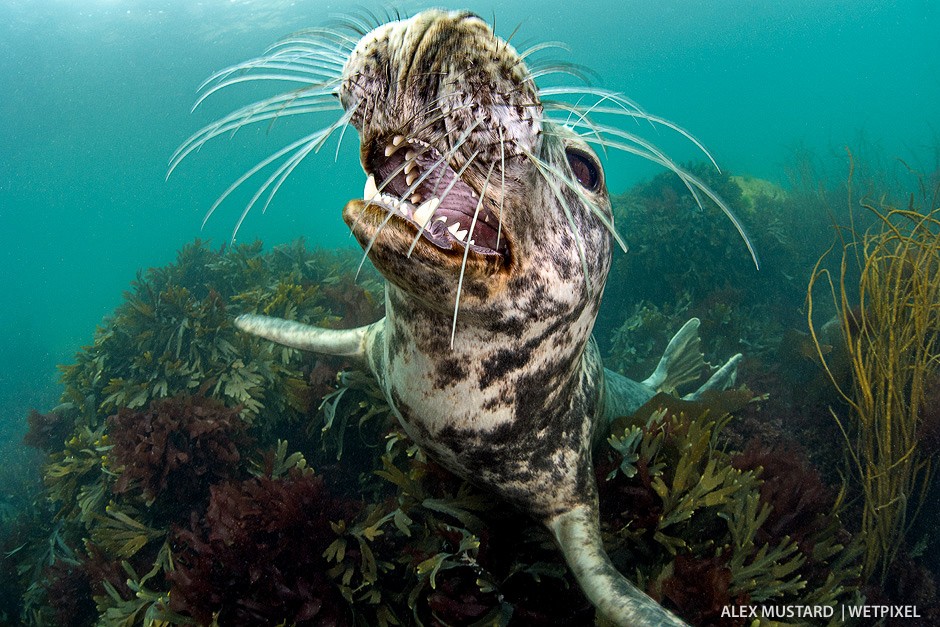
(96,95)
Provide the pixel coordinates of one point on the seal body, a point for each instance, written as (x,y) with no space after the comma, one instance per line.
(492,225)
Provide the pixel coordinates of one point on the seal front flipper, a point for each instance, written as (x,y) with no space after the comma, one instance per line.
(722,379)
(682,363)
(577,534)
(351,343)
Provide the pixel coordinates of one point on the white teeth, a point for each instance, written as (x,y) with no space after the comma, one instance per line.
(453,228)
(415,198)
(461,235)
(423,213)
(409,166)
(395,203)
(370,191)
(410,155)
(410,178)
(441,219)
(397,140)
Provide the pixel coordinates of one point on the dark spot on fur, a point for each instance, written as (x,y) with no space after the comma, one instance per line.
(449,370)
(503,361)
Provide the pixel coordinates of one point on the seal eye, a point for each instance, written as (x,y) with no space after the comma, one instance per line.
(585,169)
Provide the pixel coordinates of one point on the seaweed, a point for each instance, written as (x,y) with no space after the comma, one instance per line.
(705,529)
(890,331)
(684,261)
(167,404)
(176,448)
(175,472)
(47,432)
(256,558)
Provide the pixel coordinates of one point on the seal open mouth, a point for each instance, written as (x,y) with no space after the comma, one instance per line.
(418,184)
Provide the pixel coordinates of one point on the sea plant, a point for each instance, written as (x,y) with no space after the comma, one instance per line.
(890,330)
(173,333)
(683,260)
(175,471)
(257,557)
(176,448)
(159,408)
(702,527)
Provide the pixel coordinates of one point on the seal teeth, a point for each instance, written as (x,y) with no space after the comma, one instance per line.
(461,235)
(370,191)
(423,213)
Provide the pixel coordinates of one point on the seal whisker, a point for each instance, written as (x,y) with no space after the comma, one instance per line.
(302,53)
(545,45)
(300,150)
(608,223)
(285,170)
(291,103)
(357,23)
(539,69)
(301,58)
(663,122)
(255,169)
(542,168)
(646,149)
(466,252)
(626,103)
(302,62)
(330,43)
(315,36)
(320,81)
(443,196)
(643,148)
(367,248)
(583,118)
(692,182)
(307,63)
(247,115)
(502,185)
(627,109)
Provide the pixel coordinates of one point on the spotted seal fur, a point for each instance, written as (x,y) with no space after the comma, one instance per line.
(492,224)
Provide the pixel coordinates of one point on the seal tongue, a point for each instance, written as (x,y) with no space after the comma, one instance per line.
(416,181)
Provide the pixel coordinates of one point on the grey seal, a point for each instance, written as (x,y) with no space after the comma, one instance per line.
(491,222)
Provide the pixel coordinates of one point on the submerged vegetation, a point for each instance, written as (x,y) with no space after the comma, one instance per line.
(890,330)
(196,475)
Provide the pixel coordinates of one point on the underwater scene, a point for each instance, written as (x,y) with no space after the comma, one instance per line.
(532,313)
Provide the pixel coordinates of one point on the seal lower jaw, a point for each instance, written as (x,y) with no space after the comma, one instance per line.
(393,243)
